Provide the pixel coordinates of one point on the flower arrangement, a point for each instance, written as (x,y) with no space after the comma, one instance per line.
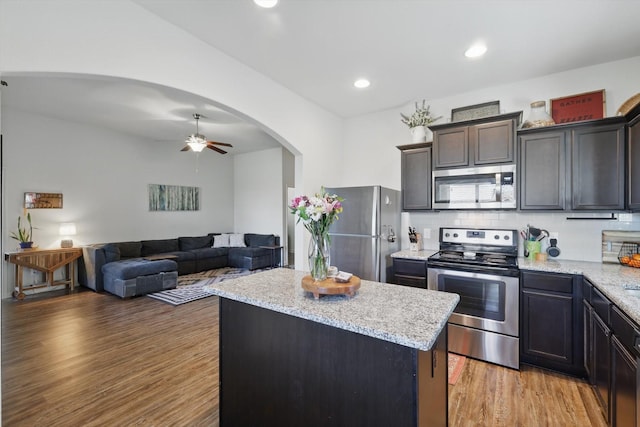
(421,117)
(317,213)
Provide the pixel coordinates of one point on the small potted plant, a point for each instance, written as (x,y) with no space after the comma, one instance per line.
(22,235)
(419,122)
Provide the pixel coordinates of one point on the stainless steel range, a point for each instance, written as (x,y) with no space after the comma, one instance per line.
(480,265)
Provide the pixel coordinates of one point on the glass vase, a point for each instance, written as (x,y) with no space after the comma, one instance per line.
(319,257)
(538,116)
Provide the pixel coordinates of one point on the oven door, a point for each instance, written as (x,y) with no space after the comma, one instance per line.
(488,302)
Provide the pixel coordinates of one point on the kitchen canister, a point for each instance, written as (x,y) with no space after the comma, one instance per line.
(533,247)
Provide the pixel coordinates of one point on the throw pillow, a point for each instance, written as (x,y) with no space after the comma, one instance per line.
(237,241)
(221,241)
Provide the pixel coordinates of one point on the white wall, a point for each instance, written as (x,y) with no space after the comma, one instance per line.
(121,39)
(372,158)
(259,203)
(103,177)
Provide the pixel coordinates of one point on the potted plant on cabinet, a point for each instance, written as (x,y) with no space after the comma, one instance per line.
(419,123)
(22,235)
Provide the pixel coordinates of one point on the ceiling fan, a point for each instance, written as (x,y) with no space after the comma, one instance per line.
(197,142)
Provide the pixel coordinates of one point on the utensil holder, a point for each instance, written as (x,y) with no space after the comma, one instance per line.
(533,248)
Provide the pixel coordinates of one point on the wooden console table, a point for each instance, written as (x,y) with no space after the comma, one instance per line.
(47,261)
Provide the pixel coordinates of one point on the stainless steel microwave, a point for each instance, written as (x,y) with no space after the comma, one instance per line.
(486,187)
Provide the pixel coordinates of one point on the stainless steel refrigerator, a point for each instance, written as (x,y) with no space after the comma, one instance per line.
(366,234)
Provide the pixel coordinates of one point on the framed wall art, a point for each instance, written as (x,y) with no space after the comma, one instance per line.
(42,200)
(173,198)
(577,108)
(475,111)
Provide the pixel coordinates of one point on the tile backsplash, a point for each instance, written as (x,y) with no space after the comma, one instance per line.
(578,239)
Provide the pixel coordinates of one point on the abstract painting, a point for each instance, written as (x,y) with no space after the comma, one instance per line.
(173,198)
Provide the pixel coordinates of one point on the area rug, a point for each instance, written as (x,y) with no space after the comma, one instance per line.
(190,286)
(455,366)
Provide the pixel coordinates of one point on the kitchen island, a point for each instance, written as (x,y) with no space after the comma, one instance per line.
(378,358)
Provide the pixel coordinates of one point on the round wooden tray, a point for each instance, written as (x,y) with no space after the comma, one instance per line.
(331,287)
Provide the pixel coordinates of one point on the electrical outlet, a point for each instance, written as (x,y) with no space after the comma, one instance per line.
(426,233)
(553,235)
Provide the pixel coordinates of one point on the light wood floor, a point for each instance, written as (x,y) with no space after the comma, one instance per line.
(87,359)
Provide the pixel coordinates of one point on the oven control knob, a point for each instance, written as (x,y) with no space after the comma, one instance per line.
(497,237)
(506,237)
(455,234)
(446,234)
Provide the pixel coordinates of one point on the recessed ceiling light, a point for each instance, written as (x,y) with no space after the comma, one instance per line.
(476,50)
(266,3)
(362,83)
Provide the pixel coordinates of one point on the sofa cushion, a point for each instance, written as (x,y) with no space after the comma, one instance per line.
(203,253)
(129,249)
(152,247)
(132,268)
(189,243)
(111,252)
(221,240)
(260,239)
(236,241)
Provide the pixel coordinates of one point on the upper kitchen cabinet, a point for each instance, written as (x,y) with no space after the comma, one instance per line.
(578,166)
(485,141)
(597,172)
(633,159)
(416,177)
(543,170)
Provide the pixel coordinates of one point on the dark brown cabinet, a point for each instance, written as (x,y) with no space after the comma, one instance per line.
(410,272)
(623,370)
(551,321)
(577,167)
(633,160)
(475,142)
(542,167)
(597,173)
(416,177)
(612,368)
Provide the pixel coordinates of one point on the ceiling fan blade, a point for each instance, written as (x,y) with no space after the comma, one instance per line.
(214,148)
(186,148)
(219,143)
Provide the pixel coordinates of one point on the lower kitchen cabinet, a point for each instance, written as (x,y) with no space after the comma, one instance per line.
(623,386)
(551,322)
(410,272)
(601,353)
(612,368)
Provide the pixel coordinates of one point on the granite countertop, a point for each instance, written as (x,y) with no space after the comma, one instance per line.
(610,279)
(421,255)
(403,315)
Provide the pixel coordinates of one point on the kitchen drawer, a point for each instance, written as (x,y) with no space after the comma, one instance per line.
(601,305)
(623,328)
(548,282)
(414,282)
(409,267)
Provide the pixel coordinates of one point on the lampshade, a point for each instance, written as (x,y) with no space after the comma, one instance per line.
(67,229)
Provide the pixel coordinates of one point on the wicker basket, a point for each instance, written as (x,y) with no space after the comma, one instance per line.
(627,251)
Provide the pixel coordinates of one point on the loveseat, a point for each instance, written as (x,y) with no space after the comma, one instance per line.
(134,268)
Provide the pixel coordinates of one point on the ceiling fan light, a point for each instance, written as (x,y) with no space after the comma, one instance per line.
(196,146)
(267,4)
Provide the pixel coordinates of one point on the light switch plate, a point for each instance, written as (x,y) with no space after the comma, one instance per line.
(426,233)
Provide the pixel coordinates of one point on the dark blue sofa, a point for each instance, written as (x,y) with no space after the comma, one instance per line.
(191,255)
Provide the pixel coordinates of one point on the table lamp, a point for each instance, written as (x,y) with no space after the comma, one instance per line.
(67,229)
